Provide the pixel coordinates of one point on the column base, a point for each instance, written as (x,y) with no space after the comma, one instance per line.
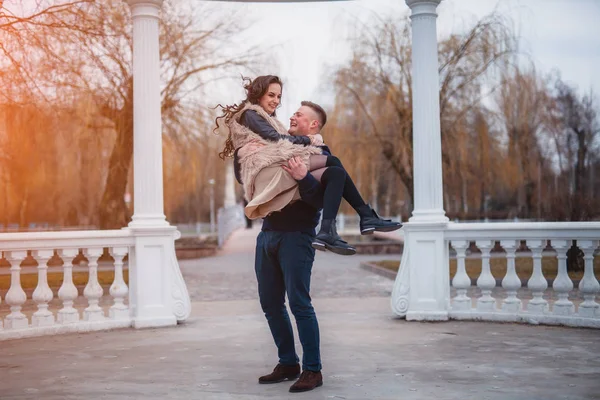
(153,322)
(158,295)
(429,216)
(427,316)
(422,287)
(148,221)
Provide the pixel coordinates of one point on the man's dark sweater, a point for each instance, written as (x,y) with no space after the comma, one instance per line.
(300,216)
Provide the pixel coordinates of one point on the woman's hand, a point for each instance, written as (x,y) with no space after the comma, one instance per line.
(316,140)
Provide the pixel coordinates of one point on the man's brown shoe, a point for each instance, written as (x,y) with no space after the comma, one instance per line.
(308,381)
(281,373)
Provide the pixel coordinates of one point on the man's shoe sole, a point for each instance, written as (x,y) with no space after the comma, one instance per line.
(370,230)
(322,246)
(306,390)
(288,378)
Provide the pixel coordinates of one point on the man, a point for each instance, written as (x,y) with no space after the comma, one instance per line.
(283,264)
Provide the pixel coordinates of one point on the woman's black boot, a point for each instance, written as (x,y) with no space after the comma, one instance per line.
(371,222)
(328,239)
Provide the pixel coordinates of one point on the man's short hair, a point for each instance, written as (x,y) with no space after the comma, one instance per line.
(321,114)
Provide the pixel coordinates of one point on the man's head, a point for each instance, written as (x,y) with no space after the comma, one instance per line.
(308,120)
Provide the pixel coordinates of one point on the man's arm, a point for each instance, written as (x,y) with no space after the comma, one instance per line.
(257,124)
(311,191)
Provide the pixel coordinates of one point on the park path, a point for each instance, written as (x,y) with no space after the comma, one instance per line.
(230,274)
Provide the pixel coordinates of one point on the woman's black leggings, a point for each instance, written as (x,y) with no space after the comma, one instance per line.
(337,184)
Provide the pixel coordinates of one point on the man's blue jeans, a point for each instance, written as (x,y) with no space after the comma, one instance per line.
(283,264)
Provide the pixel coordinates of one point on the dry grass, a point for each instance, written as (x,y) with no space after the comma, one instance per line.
(523,266)
(55,279)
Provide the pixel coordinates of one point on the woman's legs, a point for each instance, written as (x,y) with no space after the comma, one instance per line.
(369,220)
(332,179)
(317,163)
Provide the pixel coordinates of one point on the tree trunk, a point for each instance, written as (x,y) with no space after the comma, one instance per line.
(113,212)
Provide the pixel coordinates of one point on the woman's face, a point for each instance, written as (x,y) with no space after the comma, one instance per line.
(271,99)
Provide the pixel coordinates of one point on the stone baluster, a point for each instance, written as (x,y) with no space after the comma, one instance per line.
(15,297)
(588,286)
(537,283)
(562,284)
(67,292)
(93,291)
(461,281)
(118,289)
(42,294)
(511,282)
(486,281)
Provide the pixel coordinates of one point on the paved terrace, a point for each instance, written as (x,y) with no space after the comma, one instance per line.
(367,354)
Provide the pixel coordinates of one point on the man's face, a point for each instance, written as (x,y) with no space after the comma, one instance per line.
(303,122)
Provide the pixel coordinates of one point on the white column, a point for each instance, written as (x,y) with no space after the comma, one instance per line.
(229,186)
(147,129)
(157,292)
(427,140)
(423,288)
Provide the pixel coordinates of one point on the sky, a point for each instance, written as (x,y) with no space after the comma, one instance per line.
(306,41)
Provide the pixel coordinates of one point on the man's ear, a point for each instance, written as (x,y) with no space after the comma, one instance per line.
(314,124)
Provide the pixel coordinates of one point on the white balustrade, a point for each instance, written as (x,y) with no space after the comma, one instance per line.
(535,303)
(39,315)
(36,316)
(228,220)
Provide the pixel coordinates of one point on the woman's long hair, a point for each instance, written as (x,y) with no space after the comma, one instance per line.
(255,89)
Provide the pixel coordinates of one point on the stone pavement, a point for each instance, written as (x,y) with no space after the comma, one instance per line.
(367,354)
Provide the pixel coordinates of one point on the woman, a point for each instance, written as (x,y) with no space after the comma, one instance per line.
(267,186)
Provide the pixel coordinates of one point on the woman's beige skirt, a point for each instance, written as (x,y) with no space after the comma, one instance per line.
(273,190)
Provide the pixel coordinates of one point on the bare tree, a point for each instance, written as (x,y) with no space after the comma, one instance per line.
(378,80)
(95,58)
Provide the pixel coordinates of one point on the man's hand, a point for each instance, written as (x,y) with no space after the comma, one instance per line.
(249,148)
(296,168)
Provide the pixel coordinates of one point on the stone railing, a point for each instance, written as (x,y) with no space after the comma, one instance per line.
(70,308)
(45,315)
(423,291)
(228,220)
(526,302)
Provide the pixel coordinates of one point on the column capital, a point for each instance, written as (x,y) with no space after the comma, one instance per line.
(412,3)
(145,8)
(156,3)
(423,7)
